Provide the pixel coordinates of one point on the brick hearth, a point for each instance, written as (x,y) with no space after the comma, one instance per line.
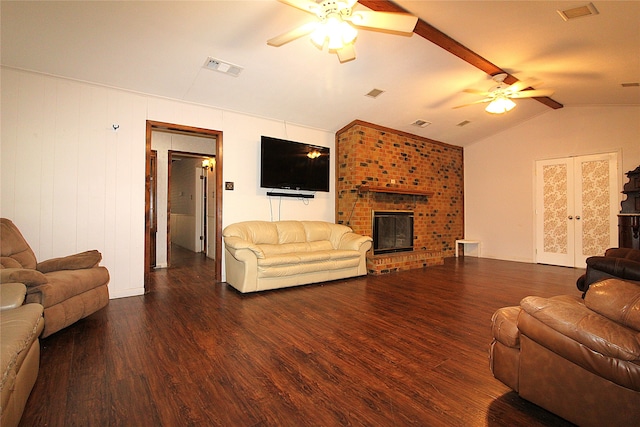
(417,174)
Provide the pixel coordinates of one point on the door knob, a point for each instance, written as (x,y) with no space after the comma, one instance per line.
(570,216)
(578,217)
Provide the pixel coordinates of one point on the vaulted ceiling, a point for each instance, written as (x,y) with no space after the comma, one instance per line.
(160,48)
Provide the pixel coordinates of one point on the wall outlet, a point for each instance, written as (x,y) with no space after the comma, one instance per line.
(228,185)
(393,181)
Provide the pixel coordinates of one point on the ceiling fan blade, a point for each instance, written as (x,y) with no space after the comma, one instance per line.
(291,35)
(473,103)
(347,53)
(391,21)
(306,5)
(518,86)
(477,92)
(532,93)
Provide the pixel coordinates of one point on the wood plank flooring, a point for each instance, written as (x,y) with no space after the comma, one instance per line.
(403,349)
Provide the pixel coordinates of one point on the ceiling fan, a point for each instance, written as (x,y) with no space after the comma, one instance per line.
(336,24)
(499,97)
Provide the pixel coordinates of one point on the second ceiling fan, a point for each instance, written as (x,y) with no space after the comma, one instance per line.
(337,23)
(499,97)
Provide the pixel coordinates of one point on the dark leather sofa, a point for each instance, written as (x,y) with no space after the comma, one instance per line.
(623,263)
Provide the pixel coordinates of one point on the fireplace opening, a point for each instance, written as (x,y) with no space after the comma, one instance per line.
(392,231)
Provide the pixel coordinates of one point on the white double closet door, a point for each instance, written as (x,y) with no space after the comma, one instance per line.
(576,208)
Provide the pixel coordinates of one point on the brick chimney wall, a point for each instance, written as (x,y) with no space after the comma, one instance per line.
(367,154)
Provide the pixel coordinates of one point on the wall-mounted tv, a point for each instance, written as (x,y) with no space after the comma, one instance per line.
(293,165)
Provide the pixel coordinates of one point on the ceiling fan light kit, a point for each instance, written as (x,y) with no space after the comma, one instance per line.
(335,26)
(334,32)
(500,105)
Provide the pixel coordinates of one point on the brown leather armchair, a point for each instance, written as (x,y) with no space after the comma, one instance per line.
(623,263)
(69,288)
(578,358)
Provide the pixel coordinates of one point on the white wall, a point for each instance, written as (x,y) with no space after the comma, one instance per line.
(71,182)
(499,171)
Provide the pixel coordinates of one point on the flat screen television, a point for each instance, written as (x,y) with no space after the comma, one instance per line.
(293,165)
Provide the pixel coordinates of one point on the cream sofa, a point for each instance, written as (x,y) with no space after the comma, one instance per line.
(262,255)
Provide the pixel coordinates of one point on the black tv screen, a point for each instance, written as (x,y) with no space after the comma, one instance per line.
(293,165)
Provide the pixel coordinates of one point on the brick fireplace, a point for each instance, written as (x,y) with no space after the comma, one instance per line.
(381,169)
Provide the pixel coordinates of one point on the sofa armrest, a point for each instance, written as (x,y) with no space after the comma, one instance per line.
(234,244)
(607,267)
(80,261)
(12,295)
(354,242)
(27,276)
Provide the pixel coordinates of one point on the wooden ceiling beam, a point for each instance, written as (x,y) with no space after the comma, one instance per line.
(431,33)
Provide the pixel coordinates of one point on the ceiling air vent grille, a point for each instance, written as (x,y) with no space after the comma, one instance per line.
(374,93)
(578,12)
(223,67)
(421,123)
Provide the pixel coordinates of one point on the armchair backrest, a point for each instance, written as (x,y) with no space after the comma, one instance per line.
(15,252)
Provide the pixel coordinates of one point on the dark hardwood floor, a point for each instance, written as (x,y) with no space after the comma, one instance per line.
(401,349)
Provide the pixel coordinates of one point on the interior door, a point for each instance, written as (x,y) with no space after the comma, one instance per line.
(210,200)
(153,207)
(576,208)
(554,206)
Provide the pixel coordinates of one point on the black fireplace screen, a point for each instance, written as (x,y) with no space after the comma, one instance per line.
(392,231)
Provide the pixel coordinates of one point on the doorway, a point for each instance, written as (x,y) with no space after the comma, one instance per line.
(158,133)
(576,208)
(190,203)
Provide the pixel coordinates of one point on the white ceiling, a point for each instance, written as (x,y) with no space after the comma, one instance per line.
(160,48)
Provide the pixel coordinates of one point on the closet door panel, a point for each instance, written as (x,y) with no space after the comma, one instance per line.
(596,206)
(554,212)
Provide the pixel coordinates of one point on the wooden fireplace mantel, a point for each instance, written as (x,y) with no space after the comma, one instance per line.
(393,190)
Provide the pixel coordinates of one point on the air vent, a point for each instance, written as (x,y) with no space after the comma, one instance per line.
(463,123)
(374,93)
(421,123)
(634,84)
(578,12)
(223,67)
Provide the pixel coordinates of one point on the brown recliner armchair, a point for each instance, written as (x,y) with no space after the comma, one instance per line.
(69,288)
(578,358)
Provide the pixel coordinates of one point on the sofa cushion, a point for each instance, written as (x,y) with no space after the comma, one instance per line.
(19,327)
(305,257)
(290,232)
(317,230)
(626,253)
(566,327)
(256,232)
(617,300)
(284,270)
(570,317)
(13,245)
